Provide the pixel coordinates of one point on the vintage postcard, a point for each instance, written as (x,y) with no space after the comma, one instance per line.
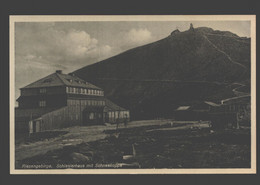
(137,94)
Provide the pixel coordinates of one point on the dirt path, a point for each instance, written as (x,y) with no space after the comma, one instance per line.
(238,94)
(221,51)
(77,135)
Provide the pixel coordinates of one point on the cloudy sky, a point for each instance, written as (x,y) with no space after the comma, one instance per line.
(43,47)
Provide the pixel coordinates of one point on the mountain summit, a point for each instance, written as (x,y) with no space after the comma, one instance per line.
(195,54)
(198,55)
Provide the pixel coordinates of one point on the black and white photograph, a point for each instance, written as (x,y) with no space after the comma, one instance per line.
(130,94)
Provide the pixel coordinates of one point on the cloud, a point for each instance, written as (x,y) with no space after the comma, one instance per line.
(40,49)
(57,45)
(77,43)
(136,37)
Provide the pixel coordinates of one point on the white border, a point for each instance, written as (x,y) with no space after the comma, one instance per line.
(76,18)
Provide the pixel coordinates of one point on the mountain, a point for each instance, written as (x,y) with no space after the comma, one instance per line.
(185,67)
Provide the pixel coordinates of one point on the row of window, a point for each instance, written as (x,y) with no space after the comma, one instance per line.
(75,90)
(230,108)
(87,102)
(118,114)
(42,103)
(43,90)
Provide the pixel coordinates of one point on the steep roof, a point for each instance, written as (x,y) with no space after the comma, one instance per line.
(34,113)
(183,108)
(212,104)
(110,106)
(60,79)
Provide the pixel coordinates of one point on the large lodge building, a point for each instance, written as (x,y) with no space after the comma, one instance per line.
(61,100)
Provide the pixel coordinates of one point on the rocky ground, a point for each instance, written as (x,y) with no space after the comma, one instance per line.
(145,144)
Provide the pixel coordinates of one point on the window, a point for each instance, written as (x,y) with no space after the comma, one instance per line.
(42,103)
(91,116)
(116,114)
(43,90)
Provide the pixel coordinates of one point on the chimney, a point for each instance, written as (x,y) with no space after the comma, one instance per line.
(59,71)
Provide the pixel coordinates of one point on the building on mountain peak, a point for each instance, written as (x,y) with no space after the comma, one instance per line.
(175,32)
(191,27)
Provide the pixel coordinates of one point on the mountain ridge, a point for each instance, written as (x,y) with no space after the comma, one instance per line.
(173,66)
